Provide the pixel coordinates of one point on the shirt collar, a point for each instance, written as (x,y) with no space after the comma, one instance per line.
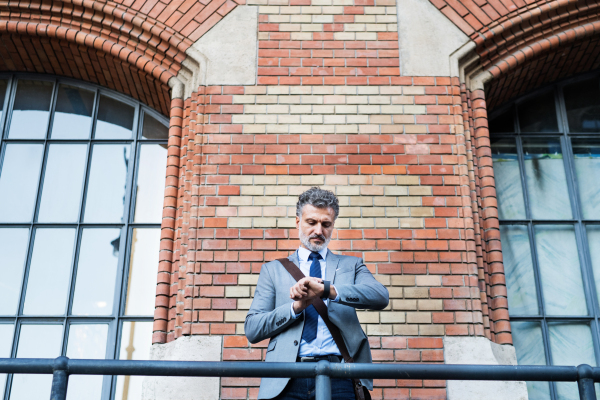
(304,253)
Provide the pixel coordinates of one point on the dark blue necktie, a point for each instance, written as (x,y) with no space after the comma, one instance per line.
(311,315)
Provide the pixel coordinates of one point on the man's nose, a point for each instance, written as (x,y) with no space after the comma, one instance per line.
(318,229)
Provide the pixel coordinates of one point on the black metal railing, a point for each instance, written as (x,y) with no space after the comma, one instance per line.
(323,371)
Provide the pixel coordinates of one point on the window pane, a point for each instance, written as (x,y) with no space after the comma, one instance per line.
(36,341)
(546,181)
(96,272)
(136,340)
(518,267)
(151,183)
(559,269)
(503,123)
(86,342)
(538,114)
(31,110)
(73,113)
(63,181)
(508,179)
(529,346)
(3,84)
(105,199)
(593,236)
(6,339)
(13,252)
(115,119)
(582,101)
(587,167)
(153,129)
(143,269)
(48,281)
(20,174)
(570,344)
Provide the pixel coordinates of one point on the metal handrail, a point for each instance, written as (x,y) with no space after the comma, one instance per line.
(323,371)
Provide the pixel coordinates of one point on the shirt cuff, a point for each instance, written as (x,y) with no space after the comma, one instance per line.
(294,315)
(337,296)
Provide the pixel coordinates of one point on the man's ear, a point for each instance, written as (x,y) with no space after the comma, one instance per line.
(297,222)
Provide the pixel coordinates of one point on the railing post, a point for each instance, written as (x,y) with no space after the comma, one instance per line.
(585,382)
(60,379)
(323,381)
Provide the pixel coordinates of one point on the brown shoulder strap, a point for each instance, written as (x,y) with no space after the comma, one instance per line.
(321,308)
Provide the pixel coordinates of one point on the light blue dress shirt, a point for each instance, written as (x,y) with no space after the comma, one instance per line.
(324,343)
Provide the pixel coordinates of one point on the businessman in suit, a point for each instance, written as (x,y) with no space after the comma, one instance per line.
(282,310)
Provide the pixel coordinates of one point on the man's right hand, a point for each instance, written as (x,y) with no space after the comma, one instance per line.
(303,294)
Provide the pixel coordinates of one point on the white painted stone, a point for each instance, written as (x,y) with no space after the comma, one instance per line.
(479,350)
(426,38)
(231,47)
(185,348)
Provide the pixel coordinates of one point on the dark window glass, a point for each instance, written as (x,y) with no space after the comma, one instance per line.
(586,155)
(115,119)
(154,129)
(105,199)
(504,122)
(31,110)
(73,113)
(3,85)
(582,101)
(509,189)
(19,180)
(538,114)
(546,179)
(63,183)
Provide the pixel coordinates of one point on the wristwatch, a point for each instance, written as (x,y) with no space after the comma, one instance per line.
(326,290)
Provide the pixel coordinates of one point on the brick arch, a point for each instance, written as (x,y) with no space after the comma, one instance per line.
(522,43)
(132,48)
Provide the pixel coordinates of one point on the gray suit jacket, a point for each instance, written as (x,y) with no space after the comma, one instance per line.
(270,316)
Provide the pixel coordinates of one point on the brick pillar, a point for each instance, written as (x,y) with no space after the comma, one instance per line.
(490,228)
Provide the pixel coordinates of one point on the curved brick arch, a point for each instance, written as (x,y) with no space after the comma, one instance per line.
(132,48)
(510,34)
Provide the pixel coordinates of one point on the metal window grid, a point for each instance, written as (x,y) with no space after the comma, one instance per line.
(564,135)
(116,319)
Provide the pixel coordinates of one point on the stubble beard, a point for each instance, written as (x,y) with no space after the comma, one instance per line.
(305,240)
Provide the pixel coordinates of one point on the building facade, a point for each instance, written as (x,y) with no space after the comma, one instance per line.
(152,153)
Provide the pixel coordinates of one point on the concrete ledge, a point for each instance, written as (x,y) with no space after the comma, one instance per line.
(186,348)
(479,350)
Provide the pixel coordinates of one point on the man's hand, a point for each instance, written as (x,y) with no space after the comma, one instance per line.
(306,290)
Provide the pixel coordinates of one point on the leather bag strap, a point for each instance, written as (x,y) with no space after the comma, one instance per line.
(321,308)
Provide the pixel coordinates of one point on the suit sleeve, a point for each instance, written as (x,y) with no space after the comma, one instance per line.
(264,320)
(366,292)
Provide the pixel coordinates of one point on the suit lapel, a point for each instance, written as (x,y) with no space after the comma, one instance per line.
(331,261)
(294,258)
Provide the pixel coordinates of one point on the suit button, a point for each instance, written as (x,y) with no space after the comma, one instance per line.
(295,343)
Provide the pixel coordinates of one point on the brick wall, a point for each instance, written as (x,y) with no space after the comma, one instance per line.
(395,156)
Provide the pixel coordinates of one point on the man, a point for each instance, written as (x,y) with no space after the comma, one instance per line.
(282,310)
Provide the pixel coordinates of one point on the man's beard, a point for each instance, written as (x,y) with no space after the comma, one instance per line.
(305,240)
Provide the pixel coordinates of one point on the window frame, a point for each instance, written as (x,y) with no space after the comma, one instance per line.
(117,317)
(577,221)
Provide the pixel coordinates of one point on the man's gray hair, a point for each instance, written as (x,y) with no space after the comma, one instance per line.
(318,198)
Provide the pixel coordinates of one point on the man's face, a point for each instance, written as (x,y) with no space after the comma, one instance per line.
(315,227)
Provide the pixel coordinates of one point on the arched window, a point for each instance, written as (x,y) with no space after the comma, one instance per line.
(546,158)
(82,177)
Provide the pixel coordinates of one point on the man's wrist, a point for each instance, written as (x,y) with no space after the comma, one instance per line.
(297,308)
(333,294)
